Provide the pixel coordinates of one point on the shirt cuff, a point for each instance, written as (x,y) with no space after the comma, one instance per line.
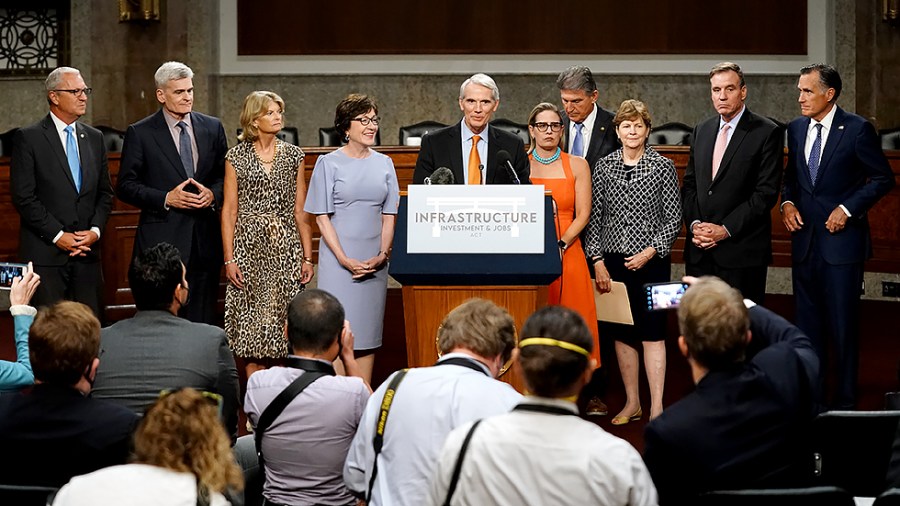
(694,223)
(781,207)
(726,230)
(845,210)
(96,230)
(749,303)
(58,236)
(22,309)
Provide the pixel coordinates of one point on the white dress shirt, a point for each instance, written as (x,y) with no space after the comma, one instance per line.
(429,403)
(587,129)
(529,458)
(135,485)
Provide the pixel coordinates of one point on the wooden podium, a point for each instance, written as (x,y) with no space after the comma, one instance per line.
(434,284)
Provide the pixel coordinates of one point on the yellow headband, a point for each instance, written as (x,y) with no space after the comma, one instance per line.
(547,341)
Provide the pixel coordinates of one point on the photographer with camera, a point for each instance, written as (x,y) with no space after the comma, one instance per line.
(18,374)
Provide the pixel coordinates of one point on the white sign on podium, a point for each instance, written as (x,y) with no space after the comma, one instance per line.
(475,219)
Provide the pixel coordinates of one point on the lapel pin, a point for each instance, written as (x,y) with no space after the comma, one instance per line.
(602,129)
(841,127)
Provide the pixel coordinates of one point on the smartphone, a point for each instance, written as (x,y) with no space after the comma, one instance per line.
(9,271)
(664,295)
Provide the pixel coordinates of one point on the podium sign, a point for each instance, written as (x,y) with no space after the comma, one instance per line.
(476,219)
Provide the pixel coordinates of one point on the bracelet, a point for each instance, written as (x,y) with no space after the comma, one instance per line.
(386,254)
(308,260)
(229,262)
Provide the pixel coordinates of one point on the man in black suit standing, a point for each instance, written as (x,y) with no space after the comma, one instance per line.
(730,186)
(836,172)
(589,129)
(470,149)
(173,169)
(590,134)
(60,185)
(745,424)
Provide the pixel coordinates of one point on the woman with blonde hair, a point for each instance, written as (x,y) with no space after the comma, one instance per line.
(266,237)
(182,457)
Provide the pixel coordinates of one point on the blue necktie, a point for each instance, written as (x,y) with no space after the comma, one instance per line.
(185,149)
(814,155)
(578,143)
(72,156)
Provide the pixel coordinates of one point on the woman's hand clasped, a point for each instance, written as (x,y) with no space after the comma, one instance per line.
(359,269)
(234,275)
(639,260)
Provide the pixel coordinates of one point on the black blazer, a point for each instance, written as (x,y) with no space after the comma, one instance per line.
(742,195)
(54,432)
(151,168)
(743,427)
(603,137)
(443,148)
(853,172)
(44,193)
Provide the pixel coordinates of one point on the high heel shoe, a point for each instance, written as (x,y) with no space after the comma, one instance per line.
(622,420)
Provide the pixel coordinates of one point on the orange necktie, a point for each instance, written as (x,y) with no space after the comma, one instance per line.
(474,162)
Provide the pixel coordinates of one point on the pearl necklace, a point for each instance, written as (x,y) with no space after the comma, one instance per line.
(266,162)
(546,161)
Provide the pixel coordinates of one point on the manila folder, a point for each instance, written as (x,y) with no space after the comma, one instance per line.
(613,306)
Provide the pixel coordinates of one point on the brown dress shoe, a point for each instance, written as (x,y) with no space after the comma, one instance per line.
(596,407)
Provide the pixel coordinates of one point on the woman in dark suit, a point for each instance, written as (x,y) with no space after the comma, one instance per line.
(635,217)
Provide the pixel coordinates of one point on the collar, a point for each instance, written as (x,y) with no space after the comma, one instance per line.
(826,121)
(54,389)
(171,121)
(310,364)
(734,121)
(467,134)
(60,124)
(547,405)
(463,356)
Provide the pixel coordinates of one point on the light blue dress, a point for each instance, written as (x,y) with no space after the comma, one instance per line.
(355,192)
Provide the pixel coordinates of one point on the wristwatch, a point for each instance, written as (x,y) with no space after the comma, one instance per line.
(562,244)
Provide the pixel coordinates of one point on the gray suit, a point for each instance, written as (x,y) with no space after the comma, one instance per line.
(157,350)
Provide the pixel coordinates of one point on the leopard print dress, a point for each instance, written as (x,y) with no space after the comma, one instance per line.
(267,249)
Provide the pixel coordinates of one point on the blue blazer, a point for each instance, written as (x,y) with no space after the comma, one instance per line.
(853,172)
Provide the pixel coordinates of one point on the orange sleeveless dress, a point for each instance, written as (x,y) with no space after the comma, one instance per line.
(574,288)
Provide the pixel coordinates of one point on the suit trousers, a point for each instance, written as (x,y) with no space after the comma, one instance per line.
(203,279)
(78,279)
(827,302)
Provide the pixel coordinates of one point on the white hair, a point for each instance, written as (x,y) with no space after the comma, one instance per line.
(481,80)
(57,76)
(171,71)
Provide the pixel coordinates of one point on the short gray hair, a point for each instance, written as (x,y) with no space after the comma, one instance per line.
(56,77)
(172,71)
(576,78)
(481,80)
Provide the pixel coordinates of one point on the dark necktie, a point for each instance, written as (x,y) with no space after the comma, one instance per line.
(815,154)
(185,149)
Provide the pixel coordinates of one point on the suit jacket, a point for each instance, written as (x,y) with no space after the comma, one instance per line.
(443,148)
(44,193)
(151,168)
(155,351)
(54,432)
(742,427)
(741,196)
(853,171)
(603,137)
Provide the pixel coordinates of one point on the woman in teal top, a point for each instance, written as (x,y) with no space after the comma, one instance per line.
(16,375)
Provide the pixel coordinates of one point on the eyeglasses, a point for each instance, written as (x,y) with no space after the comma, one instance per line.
(542,127)
(366,121)
(78,93)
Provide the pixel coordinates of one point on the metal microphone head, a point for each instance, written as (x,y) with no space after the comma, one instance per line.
(442,175)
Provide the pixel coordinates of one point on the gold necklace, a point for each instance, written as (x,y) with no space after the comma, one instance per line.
(266,162)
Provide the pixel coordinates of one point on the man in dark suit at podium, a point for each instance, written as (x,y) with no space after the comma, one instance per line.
(471,149)
(60,185)
(173,169)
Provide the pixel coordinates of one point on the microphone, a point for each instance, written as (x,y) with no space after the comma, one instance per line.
(441,175)
(504,160)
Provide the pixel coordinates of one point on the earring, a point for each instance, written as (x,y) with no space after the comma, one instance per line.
(346,138)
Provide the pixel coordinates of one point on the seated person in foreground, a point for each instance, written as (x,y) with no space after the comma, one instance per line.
(157,350)
(56,430)
(305,446)
(542,452)
(182,456)
(475,340)
(746,423)
(18,374)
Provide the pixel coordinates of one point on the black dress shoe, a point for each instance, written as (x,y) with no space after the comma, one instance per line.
(596,407)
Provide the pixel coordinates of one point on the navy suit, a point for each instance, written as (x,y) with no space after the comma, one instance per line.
(603,137)
(740,198)
(828,268)
(151,167)
(443,148)
(742,427)
(44,193)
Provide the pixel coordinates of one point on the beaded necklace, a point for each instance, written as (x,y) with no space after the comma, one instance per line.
(546,161)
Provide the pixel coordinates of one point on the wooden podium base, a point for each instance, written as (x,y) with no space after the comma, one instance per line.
(424,307)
